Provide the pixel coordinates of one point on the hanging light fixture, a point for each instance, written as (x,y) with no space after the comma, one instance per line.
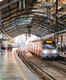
(1,0)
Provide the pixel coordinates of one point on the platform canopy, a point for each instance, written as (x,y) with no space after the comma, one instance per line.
(28,16)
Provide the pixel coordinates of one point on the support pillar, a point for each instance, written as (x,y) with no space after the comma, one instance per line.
(0,19)
(20,5)
(57,38)
(24,4)
(61,41)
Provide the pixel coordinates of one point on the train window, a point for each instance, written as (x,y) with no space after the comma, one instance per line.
(49,44)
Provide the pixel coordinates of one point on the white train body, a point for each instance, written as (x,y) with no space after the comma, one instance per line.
(46,51)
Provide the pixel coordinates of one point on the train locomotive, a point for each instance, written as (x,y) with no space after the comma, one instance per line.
(50,49)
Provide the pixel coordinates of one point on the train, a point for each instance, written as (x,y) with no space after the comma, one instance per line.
(44,49)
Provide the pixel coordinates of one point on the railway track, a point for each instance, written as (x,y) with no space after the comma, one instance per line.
(62,60)
(59,65)
(47,70)
(56,66)
(36,69)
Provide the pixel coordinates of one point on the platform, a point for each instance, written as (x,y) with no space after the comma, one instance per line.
(11,69)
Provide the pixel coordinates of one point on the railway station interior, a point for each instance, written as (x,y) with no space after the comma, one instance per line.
(32,39)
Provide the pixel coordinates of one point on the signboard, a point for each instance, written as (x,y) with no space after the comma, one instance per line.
(49,42)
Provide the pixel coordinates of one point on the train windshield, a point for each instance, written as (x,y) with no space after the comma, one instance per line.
(49,45)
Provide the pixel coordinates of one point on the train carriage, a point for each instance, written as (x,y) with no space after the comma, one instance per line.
(45,49)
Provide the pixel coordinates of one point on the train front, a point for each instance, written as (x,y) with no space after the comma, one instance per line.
(49,49)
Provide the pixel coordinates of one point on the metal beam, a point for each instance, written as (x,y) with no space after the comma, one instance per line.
(5,33)
(6,5)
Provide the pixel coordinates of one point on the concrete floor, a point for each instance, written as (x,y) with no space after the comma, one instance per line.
(11,70)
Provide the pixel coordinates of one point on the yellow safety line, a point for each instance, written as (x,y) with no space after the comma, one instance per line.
(21,73)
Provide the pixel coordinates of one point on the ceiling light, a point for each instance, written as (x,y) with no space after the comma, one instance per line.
(1,0)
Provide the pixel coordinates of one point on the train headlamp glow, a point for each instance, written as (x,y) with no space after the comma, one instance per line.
(54,51)
(45,51)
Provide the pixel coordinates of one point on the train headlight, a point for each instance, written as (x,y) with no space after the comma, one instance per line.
(54,51)
(45,51)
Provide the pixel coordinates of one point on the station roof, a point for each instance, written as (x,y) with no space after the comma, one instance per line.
(22,16)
